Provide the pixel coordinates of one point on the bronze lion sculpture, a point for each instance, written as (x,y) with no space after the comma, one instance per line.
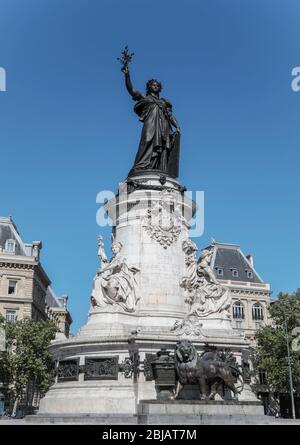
(210,371)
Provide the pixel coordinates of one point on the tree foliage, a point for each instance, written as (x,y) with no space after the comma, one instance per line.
(271,351)
(27,358)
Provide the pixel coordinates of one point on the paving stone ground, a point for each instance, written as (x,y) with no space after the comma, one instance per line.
(9,421)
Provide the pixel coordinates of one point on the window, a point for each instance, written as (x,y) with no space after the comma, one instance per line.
(249,274)
(219,271)
(257,312)
(10,246)
(262,377)
(11,315)
(238,324)
(234,273)
(12,287)
(238,310)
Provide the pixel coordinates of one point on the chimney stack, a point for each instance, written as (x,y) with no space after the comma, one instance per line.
(250,258)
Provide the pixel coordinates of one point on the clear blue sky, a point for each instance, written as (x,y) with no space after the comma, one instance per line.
(67,129)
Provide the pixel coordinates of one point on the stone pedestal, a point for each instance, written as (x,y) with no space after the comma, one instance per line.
(200,412)
(95,372)
(150,219)
(248,395)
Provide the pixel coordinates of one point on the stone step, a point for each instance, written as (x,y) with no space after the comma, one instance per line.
(205,420)
(149,419)
(200,408)
(83,419)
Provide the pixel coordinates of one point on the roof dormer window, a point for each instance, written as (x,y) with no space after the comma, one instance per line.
(219,271)
(10,246)
(235,273)
(249,274)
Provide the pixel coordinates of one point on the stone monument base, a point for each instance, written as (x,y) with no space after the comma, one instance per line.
(201,412)
(112,392)
(177,412)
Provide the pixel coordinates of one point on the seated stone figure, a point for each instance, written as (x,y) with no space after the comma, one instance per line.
(207,299)
(115,283)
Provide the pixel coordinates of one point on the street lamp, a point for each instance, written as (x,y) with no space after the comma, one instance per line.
(134,357)
(290,368)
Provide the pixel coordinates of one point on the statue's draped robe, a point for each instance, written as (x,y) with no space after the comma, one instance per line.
(159,147)
(120,279)
(210,299)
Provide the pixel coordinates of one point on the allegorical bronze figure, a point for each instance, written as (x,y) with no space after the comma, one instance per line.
(159,143)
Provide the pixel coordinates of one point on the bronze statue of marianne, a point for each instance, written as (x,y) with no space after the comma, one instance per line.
(159,143)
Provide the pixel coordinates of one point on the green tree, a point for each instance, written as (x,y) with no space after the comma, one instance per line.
(27,358)
(271,350)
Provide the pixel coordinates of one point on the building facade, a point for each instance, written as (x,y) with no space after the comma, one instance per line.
(25,288)
(251,297)
(250,294)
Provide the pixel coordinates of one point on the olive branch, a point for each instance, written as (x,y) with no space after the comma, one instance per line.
(126,57)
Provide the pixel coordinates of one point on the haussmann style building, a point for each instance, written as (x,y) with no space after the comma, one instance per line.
(25,288)
(251,297)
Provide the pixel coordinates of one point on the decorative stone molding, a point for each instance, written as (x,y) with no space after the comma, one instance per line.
(127,368)
(249,293)
(163,222)
(10,265)
(101,368)
(68,370)
(190,326)
(131,367)
(141,184)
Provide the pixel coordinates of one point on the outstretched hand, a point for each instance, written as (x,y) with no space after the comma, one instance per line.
(125,69)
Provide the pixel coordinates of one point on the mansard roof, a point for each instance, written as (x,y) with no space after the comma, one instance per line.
(229,257)
(52,300)
(8,231)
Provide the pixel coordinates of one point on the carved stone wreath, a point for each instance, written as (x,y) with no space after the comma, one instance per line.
(163,222)
(189,326)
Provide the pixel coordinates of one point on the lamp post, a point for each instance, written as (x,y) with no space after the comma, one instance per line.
(290,369)
(134,357)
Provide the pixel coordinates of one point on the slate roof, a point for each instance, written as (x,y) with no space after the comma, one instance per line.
(51,299)
(229,257)
(8,231)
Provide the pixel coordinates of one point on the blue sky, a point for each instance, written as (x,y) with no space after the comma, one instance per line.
(67,128)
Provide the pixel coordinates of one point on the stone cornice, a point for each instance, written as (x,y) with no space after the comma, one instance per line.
(244,285)
(261,292)
(9,299)
(15,265)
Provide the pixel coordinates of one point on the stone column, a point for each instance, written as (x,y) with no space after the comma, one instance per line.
(150,219)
